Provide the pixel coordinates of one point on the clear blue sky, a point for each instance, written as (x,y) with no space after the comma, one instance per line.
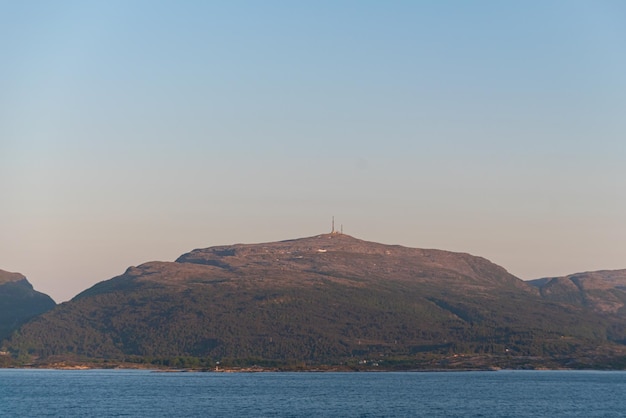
(138,130)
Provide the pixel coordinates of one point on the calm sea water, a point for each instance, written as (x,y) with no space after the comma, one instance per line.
(115,393)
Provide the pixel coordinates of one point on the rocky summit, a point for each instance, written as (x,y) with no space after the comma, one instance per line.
(329,300)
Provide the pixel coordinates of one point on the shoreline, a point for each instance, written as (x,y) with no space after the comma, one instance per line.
(257,369)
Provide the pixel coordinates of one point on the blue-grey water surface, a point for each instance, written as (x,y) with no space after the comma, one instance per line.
(140,393)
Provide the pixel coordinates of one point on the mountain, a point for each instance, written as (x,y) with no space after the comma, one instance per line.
(603,292)
(19,302)
(327,300)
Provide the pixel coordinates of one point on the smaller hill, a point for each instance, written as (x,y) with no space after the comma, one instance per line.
(19,302)
(602,291)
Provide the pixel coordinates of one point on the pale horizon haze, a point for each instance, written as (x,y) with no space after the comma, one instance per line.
(133,131)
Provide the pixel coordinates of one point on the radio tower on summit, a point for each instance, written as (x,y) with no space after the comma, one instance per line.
(333,231)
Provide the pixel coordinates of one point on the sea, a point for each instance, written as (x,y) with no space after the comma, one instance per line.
(143,393)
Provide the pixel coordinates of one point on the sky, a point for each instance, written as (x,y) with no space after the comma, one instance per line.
(133,131)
